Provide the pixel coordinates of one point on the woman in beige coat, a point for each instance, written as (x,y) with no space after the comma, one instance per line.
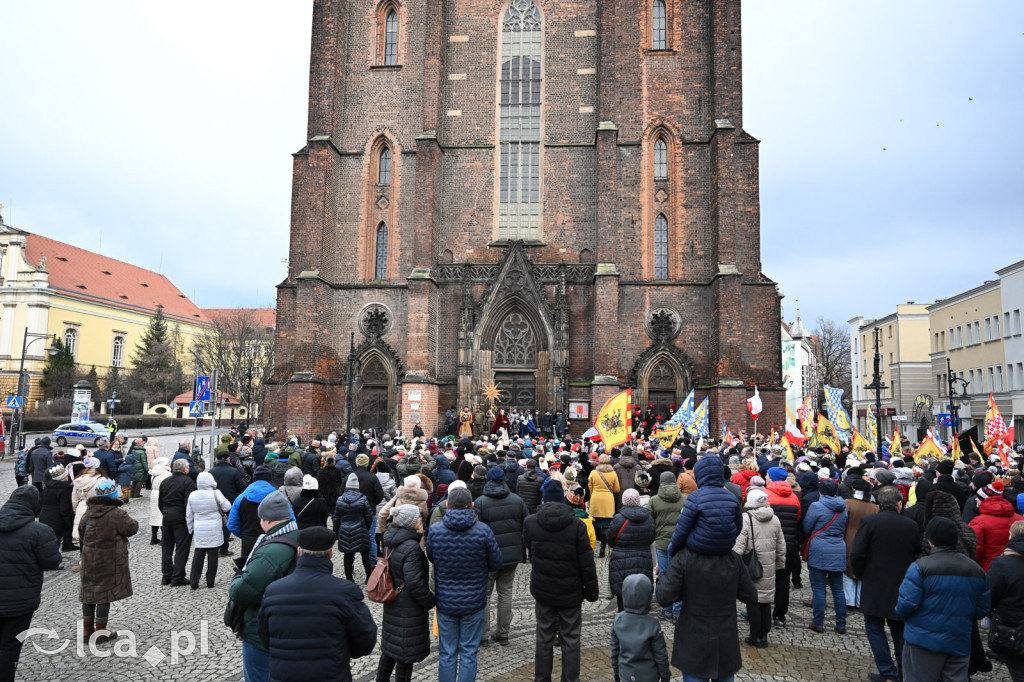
(82,489)
(762,532)
(158,471)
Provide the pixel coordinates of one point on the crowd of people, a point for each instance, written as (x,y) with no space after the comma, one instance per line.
(440,526)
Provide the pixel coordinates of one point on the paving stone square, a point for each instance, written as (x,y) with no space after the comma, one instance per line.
(162,619)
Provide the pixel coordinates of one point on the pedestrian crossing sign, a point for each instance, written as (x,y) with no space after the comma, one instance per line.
(195,408)
(14,402)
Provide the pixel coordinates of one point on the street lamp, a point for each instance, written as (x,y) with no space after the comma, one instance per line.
(877,386)
(956,398)
(52,349)
(351,377)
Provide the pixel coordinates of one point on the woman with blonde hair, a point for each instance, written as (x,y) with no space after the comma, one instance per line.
(159,470)
(604,485)
(152,453)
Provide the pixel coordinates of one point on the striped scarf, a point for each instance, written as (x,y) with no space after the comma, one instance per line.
(286,528)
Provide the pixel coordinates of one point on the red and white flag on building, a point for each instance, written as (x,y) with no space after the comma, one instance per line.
(754,405)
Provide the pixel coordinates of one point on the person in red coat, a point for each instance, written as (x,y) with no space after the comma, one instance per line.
(992,524)
(500,422)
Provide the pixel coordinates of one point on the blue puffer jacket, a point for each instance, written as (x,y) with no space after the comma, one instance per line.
(463,551)
(444,471)
(711,518)
(828,549)
(940,598)
(126,470)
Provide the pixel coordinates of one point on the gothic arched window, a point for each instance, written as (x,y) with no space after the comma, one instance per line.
(659,26)
(520,108)
(660,159)
(391,39)
(515,345)
(660,247)
(380,269)
(384,167)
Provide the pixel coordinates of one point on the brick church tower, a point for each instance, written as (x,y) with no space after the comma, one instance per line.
(555,196)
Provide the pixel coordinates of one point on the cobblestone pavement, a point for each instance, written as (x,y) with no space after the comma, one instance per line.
(163,618)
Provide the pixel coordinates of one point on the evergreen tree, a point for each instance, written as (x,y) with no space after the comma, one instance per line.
(59,373)
(157,375)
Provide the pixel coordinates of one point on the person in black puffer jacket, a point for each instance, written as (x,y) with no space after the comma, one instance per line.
(353,517)
(27,548)
(1006,576)
(562,576)
(630,536)
(57,511)
(809,493)
(504,513)
(529,486)
(405,628)
(329,483)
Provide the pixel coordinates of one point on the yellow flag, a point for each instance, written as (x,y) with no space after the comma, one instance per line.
(956,447)
(613,422)
(928,448)
(666,436)
(789,448)
(896,449)
(860,443)
(827,434)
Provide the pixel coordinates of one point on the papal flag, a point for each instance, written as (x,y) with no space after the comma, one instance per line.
(896,448)
(837,414)
(928,448)
(699,425)
(827,434)
(860,443)
(613,422)
(789,447)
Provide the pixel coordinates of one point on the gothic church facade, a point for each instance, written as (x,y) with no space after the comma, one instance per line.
(558,197)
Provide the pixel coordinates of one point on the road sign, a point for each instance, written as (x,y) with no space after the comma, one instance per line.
(195,408)
(899,417)
(14,402)
(203,389)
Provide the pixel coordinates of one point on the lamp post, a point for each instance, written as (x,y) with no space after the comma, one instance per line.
(18,428)
(351,377)
(956,398)
(877,386)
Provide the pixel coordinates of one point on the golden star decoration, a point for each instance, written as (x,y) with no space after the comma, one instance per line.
(492,393)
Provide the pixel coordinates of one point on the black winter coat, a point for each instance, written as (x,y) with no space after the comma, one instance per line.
(40,459)
(946,484)
(313,623)
(476,487)
(563,572)
(174,492)
(504,512)
(529,489)
(369,485)
(706,643)
(56,511)
(1006,577)
(229,480)
(630,536)
(405,629)
(27,548)
(353,517)
(310,510)
(883,549)
(329,480)
(809,493)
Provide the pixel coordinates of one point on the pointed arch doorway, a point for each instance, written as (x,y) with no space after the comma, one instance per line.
(514,359)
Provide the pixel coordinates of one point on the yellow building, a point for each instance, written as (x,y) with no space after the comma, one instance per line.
(905,368)
(98,306)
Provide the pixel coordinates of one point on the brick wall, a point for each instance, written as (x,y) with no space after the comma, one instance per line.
(438,109)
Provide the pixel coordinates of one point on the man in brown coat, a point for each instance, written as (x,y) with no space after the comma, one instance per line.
(857,507)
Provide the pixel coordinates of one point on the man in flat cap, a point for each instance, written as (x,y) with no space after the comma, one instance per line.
(311,622)
(272,557)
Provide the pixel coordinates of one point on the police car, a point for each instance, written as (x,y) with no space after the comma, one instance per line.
(89,433)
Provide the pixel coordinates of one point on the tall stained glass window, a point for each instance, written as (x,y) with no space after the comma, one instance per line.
(520,105)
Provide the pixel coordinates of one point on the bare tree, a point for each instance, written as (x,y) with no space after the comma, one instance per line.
(832,352)
(241,349)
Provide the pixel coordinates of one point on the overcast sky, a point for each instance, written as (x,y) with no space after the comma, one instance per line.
(161,134)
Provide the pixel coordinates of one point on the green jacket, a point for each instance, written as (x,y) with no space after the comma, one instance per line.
(266,564)
(665,508)
(225,441)
(141,465)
